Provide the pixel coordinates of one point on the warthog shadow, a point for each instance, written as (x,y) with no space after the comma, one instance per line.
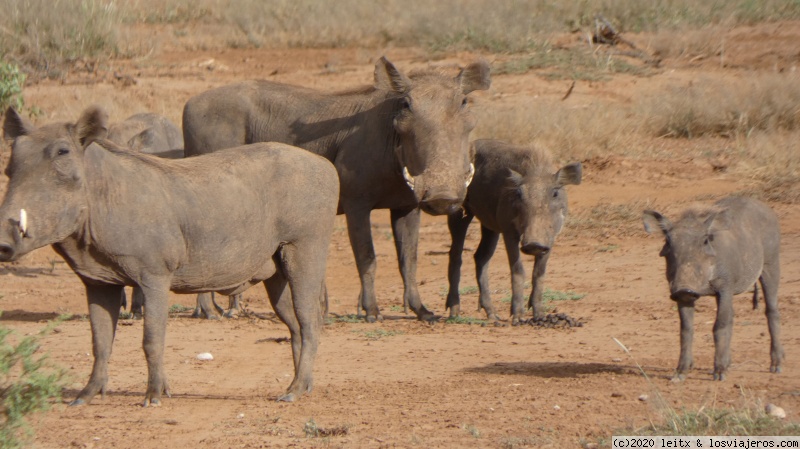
(29,317)
(554,369)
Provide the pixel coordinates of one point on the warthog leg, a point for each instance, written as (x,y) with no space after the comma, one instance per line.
(686,313)
(723,330)
(483,255)
(517,278)
(458,224)
(537,282)
(405,226)
(360,233)
(104,305)
(299,308)
(155,330)
(769,285)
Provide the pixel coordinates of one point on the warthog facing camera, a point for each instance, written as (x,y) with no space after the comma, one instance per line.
(516,192)
(721,251)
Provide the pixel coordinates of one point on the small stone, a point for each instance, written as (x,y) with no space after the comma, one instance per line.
(616,395)
(616,360)
(205,356)
(774,410)
(556,407)
(644,397)
(240,416)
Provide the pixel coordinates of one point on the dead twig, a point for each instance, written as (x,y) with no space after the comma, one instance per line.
(569,91)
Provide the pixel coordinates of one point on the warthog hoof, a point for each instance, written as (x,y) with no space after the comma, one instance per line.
(427,317)
(152,403)
(288,397)
(776,369)
(678,378)
(719,376)
(77,402)
(374,318)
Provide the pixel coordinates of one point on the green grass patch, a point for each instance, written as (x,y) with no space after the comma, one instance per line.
(378,334)
(466,320)
(350,318)
(179,308)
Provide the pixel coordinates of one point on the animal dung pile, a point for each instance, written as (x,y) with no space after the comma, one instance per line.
(555,320)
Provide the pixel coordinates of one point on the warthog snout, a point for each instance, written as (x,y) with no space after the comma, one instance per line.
(6,252)
(439,205)
(534,249)
(684,294)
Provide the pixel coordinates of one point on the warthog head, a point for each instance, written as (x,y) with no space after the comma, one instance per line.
(433,122)
(537,203)
(689,249)
(46,197)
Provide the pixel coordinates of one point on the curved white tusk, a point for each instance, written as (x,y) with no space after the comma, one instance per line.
(23,222)
(409,179)
(470,175)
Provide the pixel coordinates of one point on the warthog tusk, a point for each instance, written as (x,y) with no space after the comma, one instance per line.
(470,175)
(409,179)
(23,222)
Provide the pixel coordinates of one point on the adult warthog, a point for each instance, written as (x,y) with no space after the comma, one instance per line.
(221,222)
(721,250)
(517,192)
(401,144)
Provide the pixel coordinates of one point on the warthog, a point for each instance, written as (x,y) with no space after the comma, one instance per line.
(221,222)
(516,192)
(721,251)
(400,144)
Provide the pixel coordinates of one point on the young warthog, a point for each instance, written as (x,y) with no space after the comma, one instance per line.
(221,222)
(721,251)
(518,193)
(401,144)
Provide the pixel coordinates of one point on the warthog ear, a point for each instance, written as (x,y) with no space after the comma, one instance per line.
(475,76)
(387,77)
(92,125)
(719,221)
(569,174)
(514,179)
(14,125)
(653,220)
(144,139)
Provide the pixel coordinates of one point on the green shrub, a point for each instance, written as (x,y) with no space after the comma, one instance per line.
(11,82)
(28,382)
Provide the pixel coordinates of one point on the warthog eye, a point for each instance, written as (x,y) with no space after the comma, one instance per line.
(709,239)
(464,102)
(62,151)
(555,193)
(406,104)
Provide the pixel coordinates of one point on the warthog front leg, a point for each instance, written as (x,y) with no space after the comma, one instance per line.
(723,330)
(686,313)
(517,278)
(769,285)
(537,282)
(104,304)
(483,255)
(155,330)
(458,224)
(405,226)
(358,229)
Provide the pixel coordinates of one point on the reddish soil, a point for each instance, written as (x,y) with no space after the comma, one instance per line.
(404,383)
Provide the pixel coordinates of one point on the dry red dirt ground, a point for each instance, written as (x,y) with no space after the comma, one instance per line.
(403,383)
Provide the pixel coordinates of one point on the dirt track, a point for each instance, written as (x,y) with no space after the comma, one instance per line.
(403,383)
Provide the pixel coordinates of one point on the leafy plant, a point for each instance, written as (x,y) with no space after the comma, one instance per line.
(11,82)
(28,382)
